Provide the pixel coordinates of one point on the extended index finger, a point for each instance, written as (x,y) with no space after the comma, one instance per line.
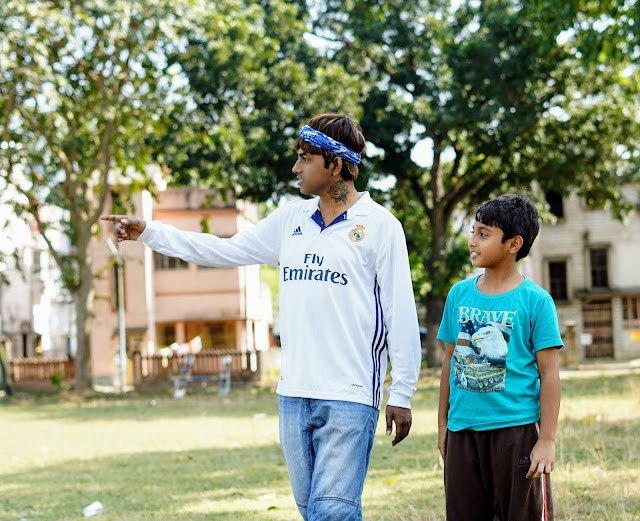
(116,218)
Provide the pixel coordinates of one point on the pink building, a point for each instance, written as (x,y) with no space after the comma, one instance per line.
(168,300)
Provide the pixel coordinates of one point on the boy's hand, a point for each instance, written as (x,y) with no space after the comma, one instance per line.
(543,458)
(127,228)
(402,419)
(442,434)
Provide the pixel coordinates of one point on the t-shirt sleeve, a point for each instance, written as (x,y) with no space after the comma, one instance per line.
(545,331)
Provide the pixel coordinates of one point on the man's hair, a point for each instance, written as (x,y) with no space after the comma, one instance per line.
(514,215)
(341,128)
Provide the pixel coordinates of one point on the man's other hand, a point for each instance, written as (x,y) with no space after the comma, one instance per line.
(402,418)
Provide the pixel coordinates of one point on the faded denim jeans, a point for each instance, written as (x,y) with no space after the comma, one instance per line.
(327,445)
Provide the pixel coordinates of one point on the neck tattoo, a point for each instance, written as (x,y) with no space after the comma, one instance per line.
(339,191)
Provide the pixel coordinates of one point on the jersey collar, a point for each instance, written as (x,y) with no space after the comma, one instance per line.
(361,208)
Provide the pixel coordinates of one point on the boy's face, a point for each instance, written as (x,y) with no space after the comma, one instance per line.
(486,247)
(313,177)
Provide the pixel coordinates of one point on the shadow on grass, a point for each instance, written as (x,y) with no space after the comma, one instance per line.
(154,404)
(151,404)
(596,478)
(579,385)
(405,482)
(147,406)
(597,442)
(211,484)
(214,484)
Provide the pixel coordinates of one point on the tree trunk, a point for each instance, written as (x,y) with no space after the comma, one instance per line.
(83,301)
(434,302)
(435,348)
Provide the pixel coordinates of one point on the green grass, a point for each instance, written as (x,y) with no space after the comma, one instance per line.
(150,457)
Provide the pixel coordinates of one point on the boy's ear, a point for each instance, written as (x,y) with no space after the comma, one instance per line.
(515,243)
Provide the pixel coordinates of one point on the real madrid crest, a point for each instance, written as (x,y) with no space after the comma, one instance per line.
(357,234)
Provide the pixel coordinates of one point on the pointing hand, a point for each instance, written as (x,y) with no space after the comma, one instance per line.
(127,228)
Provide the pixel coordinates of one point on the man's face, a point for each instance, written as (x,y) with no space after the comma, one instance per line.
(313,177)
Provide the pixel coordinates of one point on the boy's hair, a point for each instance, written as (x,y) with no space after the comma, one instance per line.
(341,128)
(514,215)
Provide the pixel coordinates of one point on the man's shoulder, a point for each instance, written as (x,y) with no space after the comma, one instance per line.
(380,211)
(381,215)
(295,206)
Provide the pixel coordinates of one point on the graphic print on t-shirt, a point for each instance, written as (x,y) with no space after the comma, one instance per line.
(480,355)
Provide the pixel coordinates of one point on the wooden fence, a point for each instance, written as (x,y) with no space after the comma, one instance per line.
(157,369)
(33,370)
(148,370)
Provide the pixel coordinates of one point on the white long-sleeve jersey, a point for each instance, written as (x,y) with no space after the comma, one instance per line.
(346,299)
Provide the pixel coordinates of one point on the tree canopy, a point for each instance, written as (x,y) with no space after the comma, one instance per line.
(460,100)
(253,77)
(80,87)
(500,94)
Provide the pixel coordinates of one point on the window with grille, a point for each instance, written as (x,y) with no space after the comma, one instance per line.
(631,312)
(558,287)
(599,268)
(165,334)
(214,335)
(556,206)
(134,342)
(162,262)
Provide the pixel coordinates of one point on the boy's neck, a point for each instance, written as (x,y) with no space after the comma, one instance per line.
(497,281)
(340,196)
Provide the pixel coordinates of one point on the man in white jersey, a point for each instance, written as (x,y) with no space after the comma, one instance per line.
(346,303)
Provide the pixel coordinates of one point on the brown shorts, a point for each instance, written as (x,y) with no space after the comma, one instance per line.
(485,476)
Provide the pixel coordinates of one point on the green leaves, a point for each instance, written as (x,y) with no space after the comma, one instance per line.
(80,89)
(81,85)
(254,78)
(502,94)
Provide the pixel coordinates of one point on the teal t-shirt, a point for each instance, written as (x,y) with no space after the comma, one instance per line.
(494,380)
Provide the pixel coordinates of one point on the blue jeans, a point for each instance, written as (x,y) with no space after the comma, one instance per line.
(327,445)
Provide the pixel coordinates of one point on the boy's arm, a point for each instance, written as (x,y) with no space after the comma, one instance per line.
(443,403)
(543,454)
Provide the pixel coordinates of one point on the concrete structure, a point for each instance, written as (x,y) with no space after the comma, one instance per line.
(36,314)
(168,300)
(587,261)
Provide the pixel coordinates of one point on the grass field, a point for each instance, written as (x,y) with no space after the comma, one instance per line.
(150,457)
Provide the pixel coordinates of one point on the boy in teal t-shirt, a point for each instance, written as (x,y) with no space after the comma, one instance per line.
(500,384)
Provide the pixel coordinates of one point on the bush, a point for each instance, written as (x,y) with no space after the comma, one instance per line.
(57,379)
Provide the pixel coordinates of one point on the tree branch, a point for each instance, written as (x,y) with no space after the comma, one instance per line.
(464,187)
(105,154)
(435,183)
(32,208)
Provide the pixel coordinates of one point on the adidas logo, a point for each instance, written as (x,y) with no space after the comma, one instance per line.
(297,231)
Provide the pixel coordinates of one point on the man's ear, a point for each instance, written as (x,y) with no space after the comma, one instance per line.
(338,166)
(515,243)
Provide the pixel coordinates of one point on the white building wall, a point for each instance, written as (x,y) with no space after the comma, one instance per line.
(570,239)
(35,311)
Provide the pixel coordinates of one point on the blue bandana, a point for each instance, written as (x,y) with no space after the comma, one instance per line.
(320,140)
